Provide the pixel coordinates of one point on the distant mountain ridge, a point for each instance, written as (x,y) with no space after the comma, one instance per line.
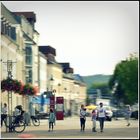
(98,78)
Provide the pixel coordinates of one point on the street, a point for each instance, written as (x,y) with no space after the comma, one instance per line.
(70,128)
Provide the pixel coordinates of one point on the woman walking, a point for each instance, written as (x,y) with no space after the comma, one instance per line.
(51,120)
(94,115)
(82,117)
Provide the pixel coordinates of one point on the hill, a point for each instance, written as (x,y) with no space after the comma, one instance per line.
(99,78)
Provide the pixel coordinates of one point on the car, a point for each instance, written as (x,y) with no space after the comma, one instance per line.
(134,114)
(118,113)
(43,115)
(109,113)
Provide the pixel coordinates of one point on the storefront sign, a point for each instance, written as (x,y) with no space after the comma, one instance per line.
(59,108)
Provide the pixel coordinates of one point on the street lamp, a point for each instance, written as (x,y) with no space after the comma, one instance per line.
(9,65)
(59,88)
(52,97)
(9,71)
(51,82)
(115,87)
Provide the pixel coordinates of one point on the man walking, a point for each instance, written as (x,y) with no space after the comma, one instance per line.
(4,113)
(101,112)
(128,114)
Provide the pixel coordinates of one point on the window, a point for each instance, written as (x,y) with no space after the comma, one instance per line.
(13,33)
(28,55)
(28,75)
(2,27)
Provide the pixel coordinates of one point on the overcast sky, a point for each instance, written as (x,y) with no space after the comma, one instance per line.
(92,36)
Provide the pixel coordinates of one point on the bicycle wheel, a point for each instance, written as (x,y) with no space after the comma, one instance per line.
(20,127)
(36,121)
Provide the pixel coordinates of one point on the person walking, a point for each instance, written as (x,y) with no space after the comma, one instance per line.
(93,118)
(51,120)
(101,113)
(32,111)
(4,113)
(128,114)
(82,117)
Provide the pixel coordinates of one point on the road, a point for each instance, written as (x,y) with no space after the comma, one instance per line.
(70,128)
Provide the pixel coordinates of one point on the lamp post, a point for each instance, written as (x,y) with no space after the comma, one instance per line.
(115,88)
(51,83)
(9,71)
(65,99)
(52,97)
(59,88)
(70,102)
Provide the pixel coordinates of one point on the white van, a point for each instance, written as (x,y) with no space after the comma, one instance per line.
(109,113)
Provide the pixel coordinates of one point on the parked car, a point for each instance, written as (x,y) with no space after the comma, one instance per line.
(118,113)
(109,113)
(134,114)
(43,115)
(134,111)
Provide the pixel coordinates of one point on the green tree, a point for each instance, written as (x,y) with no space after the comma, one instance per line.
(104,87)
(126,74)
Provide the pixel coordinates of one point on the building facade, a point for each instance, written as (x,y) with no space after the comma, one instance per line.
(19,45)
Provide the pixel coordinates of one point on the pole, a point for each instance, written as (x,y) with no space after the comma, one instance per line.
(9,70)
(10,102)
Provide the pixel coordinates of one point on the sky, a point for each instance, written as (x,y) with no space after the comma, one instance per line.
(93,36)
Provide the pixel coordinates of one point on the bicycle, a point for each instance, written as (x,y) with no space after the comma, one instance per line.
(15,126)
(35,120)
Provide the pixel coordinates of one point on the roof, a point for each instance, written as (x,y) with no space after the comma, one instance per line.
(8,15)
(47,50)
(66,67)
(79,78)
(31,16)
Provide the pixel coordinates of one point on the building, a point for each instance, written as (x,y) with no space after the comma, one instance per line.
(12,46)
(19,44)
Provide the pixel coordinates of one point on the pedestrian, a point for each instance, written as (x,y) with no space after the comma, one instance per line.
(32,111)
(93,118)
(51,119)
(4,113)
(128,114)
(82,117)
(18,113)
(101,113)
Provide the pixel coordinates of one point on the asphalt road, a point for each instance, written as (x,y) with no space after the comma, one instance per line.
(70,128)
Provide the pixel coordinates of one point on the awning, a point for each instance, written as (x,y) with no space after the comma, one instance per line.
(39,100)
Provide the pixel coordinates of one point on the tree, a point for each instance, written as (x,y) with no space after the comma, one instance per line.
(126,73)
(102,86)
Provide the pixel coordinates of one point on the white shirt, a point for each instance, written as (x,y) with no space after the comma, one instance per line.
(101,112)
(82,113)
(17,112)
(4,110)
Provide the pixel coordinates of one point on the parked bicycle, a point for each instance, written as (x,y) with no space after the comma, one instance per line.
(35,120)
(16,125)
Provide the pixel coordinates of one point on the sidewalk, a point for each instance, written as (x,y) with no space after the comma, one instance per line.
(70,128)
